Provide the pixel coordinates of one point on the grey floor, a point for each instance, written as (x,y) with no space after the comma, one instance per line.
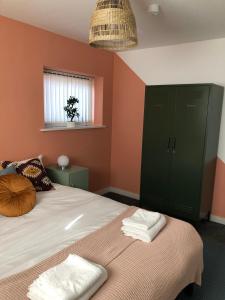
(213,235)
(213,287)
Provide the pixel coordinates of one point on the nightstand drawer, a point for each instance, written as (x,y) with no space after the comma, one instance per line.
(75,176)
(79,179)
(58,177)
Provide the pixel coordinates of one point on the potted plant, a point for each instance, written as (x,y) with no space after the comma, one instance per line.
(72,111)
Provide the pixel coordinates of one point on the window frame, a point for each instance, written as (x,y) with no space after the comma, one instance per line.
(63,125)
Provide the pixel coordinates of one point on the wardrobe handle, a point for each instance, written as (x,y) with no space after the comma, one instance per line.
(168,145)
(174,145)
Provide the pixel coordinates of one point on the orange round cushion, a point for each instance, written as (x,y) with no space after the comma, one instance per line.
(17,195)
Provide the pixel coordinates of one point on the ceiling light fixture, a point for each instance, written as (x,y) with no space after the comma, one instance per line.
(154,9)
(113,25)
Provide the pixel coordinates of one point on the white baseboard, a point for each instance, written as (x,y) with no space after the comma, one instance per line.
(118,191)
(124,193)
(111,189)
(216,219)
(102,191)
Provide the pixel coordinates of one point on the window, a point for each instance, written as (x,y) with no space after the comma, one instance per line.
(58,87)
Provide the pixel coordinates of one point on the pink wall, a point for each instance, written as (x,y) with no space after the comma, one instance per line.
(24,51)
(219,190)
(128,110)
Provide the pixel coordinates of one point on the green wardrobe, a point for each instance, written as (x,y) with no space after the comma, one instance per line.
(180,143)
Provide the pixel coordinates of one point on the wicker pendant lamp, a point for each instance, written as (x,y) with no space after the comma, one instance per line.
(113,25)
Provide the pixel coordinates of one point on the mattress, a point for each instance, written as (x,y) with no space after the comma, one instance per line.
(60,218)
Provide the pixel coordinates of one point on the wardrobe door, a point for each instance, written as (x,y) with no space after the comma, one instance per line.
(190,119)
(156,156)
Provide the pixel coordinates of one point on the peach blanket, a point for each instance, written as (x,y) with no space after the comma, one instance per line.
(137,271)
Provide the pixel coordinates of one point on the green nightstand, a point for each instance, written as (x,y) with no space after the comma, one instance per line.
(73,176)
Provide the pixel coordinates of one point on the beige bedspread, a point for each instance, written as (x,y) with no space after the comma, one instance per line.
(137,271)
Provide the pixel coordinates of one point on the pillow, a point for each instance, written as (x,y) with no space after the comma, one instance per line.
(34,170)
(40,157)
(17,195)
(9,170)
(4,164)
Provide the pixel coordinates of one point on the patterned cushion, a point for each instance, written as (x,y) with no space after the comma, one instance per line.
(32,169)
(4,164)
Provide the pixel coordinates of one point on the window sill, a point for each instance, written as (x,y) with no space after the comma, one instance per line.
(73,128)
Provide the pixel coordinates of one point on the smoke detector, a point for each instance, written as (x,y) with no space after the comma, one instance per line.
(154,9)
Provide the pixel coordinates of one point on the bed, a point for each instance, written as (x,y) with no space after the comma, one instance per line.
(71,219)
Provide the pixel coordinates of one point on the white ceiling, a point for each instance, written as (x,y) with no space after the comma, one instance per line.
(180,20)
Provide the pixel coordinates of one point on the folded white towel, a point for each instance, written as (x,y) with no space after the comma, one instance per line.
(75,278)
(142,219)
(145,235)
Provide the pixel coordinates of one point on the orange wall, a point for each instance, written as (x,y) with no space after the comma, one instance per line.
(24,51)
(218,208)
(128,111)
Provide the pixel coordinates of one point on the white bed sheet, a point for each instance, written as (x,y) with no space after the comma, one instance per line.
(61,217)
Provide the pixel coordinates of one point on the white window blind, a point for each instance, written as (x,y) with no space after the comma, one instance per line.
(58,87)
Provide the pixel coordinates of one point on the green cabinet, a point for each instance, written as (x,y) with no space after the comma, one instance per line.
(73,176)
(180,141)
